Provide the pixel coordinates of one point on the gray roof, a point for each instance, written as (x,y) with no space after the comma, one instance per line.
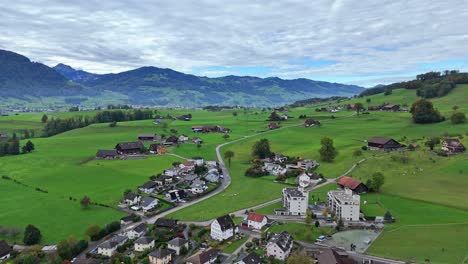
(130,145)
(147,201)
(283,240)
(177,242)
(130,196)
(294,192)
(144,240)
(252,258)
(113,242)
(160,253)
(5,249)
(225,222)
(204,256)
(140,228)
(149,185)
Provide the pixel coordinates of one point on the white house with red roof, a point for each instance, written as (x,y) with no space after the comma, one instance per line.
(188,165)
(256,220)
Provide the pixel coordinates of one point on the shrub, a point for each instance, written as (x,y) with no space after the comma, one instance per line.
(458,118)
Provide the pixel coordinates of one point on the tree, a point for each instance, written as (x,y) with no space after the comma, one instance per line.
(29,146)
(234,113)
(14,147)
(327,151)
(85,201)
(226,136)
(300,257)
(368,100)
(423,112)
(339,225)
(455,107)
(44,118)
(388,217)
(229,155)
(274,117)
(308,219)
(458,118)
(183,250)
(359,107)
(32,235)
(92,231)
(317,223)
(378,180)
(261,149)
(432,142)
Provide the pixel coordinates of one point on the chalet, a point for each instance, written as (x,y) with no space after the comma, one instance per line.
(452,146)
(109,247)
(147,137)
(223,228)
(352,184)
(256,220)
(160,256)
(374,108)
(176,195)
(183,138)
(391,107)
(186,117)
(279,246)
(251,258)
(106,154)
(334,256)
(130,147)
(5,250)
(137,231)
(172,140)
(157,149)
(272,126)
(166,223)
(207,256)
(177,244)
(381,143)
(198,186)
(131,198)
(198,161)
(148,187)
(311,122)
(149,203)
(144,243)
(197,140)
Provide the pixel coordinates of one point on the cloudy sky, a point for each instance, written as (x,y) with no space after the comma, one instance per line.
(363,42)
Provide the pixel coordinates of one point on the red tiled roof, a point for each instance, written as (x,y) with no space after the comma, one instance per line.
(255,217)
(188,163)
(349,182)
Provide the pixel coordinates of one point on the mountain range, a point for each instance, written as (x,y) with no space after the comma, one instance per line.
(23,79)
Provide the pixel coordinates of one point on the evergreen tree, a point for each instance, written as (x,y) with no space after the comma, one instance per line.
(32,235)
(327,151)
(261,149)
(44,118)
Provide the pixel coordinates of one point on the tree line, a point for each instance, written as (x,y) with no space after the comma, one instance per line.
(12,146)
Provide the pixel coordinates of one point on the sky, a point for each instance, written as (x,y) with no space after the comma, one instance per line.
(363,42)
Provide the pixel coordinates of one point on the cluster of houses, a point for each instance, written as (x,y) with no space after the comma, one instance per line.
(177,183)
(279,165)
(386,107)
(330,109)
(210,129)
(449,145)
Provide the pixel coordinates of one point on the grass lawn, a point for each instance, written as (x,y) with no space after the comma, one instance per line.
(230,248)
(301,232)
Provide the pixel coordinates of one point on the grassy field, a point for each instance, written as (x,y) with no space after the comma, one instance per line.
(301,232)
(230,248)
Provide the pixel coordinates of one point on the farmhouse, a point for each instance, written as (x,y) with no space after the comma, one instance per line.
(311,122)
(183,138)
(307,164)
(344,204)
(207,256)
(352,184)
(109,247)
(131,198)
(5,250)
(334,256)
(374,108)
(279,246)
(147,137)
(172,140)
(166,223)
(177,244)
(382,143)
(186,117)
(130,147)
(160,256)
(295,202)
(106,154)
(137,231)
(144,243)
(272,126)
(274,168)
(210,129)
(391,107)
(197,140)
(452,146)
(223,228)
(251,258)
(148,187)
(256,220)
(157,149)
(149,203)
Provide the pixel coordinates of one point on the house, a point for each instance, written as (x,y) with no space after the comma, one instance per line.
(210,129)
(452,146)
(186,117)
(251,258)
(311,122)
(176,195)
(109,247)
(295,202)
(274,168)
(172,172)
(183,138)
(223,228)
(157,149)
(131,198)
(189,178)
(172,140)
(279,246)
(188,165)
(144,243)
(334,256)
(391,107)
(137,231)
(374,108)
(148,187)
(211,163)
(198,186)
(207,256)
(382,143)
(160,256)
(198,161)
(149,203)
(127,219)
(212,175)
(308,164)
(352,184)
(177,244)
(280,158)
(272,126)
(197,140)
(106,154)
(130,147)
(163,180)
(344,204)
(5,250)
(146,137)
(166,223)
(256,220)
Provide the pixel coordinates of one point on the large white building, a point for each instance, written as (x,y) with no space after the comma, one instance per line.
(295,202)
(344,204)
(279,246)
(223,228)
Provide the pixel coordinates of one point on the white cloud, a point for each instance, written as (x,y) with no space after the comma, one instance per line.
(365,38)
